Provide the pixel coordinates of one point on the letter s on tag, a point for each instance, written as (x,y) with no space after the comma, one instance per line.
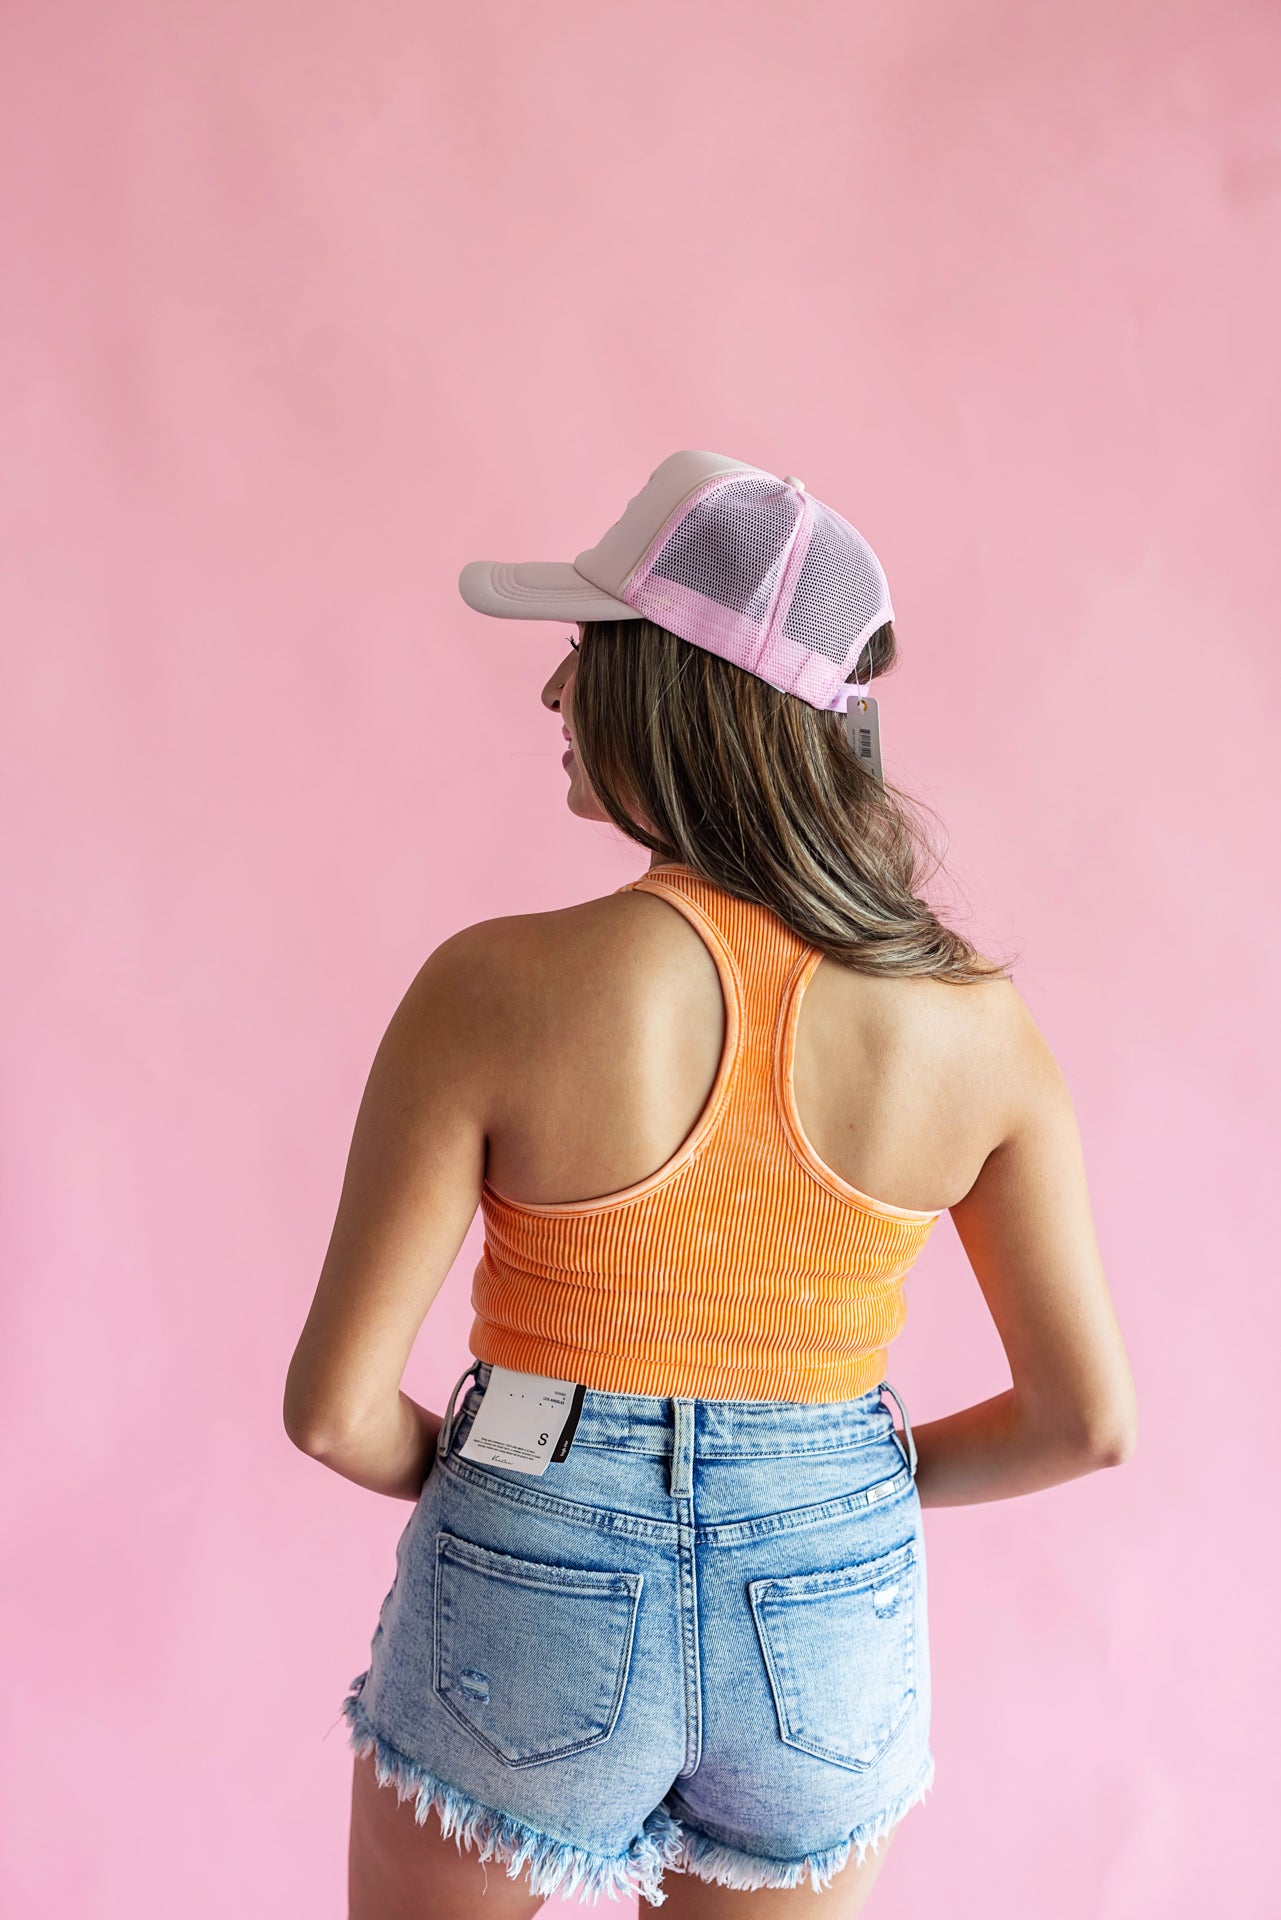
(524,1421)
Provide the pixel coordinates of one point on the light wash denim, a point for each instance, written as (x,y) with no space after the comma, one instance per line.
(698,1642)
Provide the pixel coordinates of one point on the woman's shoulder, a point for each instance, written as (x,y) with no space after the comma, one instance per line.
(512,959)
(504,934)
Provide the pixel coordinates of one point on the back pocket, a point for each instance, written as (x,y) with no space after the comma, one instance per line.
(532,1658)
(840,1648)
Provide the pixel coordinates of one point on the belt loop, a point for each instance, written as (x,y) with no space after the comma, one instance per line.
(447,1424)
(909,1454)
(682,1468)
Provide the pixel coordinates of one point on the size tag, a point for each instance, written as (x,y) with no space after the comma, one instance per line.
(524,1420)
(863,725)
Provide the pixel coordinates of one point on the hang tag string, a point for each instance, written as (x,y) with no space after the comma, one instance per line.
(858,692)
(863,727)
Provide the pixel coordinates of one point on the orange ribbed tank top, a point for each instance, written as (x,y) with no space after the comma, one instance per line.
(744,1268)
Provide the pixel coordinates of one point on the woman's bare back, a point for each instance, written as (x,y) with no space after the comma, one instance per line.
(604,1028)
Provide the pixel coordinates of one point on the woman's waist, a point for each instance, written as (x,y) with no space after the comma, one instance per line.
(735,1392)
(648,1421)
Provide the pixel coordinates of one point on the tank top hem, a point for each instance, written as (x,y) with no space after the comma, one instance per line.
(680,1377)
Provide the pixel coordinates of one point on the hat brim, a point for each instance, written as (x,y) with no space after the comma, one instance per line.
(537,590)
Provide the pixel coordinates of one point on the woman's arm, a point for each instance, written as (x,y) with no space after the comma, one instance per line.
(392,1453)
(410,1193)
(1027,1229)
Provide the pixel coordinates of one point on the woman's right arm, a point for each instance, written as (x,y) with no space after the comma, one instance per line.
(1028,1232)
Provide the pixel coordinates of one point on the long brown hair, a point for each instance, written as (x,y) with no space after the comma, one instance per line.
(762,795)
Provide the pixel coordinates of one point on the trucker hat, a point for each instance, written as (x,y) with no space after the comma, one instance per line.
(728,557)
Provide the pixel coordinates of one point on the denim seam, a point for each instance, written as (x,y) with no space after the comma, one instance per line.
(794,1519)
(800,1519)
(595,1519)
(751,1453)
(542,1576)
(691,1660)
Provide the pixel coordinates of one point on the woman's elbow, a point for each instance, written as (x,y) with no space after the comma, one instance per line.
(313,1428)
(1113,1444)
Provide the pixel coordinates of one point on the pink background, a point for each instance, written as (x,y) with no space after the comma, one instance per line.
(307,306)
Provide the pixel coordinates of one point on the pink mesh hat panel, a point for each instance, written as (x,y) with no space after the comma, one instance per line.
(729,557)
(754,569)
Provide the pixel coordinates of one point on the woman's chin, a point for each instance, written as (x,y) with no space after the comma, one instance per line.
(583,804)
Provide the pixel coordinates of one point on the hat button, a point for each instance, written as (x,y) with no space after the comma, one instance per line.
(790,480)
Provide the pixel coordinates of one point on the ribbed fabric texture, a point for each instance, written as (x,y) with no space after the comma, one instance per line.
(743,1269)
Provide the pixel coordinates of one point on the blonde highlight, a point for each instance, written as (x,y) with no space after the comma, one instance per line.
(761,794)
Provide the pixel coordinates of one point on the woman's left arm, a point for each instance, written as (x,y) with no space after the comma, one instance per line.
(409,1195)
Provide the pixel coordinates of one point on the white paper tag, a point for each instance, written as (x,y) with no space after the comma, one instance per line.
(524,1420)
(863,725)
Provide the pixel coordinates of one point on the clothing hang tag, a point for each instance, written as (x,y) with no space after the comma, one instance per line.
(863,726)
(524,1420)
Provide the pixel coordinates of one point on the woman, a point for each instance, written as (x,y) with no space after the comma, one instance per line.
(661,1603)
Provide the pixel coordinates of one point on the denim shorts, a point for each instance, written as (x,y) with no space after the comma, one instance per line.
(697,1642)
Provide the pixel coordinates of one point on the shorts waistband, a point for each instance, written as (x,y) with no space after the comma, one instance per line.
(645,1423)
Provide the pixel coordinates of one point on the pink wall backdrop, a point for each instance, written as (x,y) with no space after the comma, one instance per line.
(305,307)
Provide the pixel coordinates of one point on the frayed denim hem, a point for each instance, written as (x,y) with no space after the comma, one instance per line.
(555,1865)
(727,1866)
